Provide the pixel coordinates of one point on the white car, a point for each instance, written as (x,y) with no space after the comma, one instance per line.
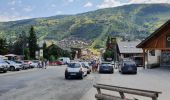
(13,66)
(3,66)
(75,69)
(65,60)
(34,63)
(86,64)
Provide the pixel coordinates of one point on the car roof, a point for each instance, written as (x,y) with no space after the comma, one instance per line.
(105,62)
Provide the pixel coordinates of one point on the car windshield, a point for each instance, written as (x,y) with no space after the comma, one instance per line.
(35,61)
(106,62)
(18,61)
(86,63)
(1,61)
(12,62)
(74,65)
(129,63)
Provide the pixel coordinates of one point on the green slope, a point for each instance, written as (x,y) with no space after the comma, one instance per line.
(135,21)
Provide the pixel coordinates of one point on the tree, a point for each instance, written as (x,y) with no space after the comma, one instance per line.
(26,53)
(45,52)
(54,52)
(32,40)
(3,46)
(108,54)
(108,42)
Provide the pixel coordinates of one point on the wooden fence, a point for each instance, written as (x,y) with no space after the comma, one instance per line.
(122,91)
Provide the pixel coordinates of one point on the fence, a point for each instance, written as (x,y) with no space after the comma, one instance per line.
(122,91)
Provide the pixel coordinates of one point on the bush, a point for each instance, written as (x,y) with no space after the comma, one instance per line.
(52,58)
(108,54)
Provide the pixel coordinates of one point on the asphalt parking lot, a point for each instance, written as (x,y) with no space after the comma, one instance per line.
(49,84)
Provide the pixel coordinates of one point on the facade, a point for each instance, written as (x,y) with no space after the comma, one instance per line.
(127,49)
(156,47)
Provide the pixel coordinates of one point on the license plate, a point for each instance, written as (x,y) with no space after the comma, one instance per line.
(130,68)
(73,74)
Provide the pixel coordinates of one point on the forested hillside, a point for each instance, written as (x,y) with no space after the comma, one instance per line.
(135,21)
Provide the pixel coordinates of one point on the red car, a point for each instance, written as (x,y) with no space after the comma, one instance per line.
(59,62)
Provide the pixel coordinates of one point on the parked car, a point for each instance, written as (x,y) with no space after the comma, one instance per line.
(138,60)
(75,69)
(34,63)
(106,67)
(86,64)
(128,66)
(3,66)
(65,60)
(20,62)
(13,66)
(27,64)
(59,62)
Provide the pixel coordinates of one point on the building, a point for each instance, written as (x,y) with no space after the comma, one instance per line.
(127,49)
(156,47)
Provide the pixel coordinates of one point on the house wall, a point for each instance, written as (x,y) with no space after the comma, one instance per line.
(153,60)
(131,55)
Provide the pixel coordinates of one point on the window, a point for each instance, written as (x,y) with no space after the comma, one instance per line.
(152,52)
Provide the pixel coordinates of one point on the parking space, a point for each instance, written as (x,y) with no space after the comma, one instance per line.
(149,79)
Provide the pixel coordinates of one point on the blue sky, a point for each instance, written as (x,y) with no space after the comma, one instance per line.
(23,9)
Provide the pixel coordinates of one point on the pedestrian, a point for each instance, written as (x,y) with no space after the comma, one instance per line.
(42,63)
(45,63)
(93,66)
(39,64)
(96,66)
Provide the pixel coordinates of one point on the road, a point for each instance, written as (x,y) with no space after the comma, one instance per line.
(43,84)
(49,84)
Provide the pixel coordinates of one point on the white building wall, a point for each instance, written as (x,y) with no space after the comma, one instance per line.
(153,60)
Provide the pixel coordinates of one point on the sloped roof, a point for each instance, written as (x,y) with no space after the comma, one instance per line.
(154,34)
(13,55)
(129,47)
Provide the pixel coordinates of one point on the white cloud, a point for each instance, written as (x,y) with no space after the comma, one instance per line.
(53,5)
(70,0)
(114,3)
(14,2)
(149,1)
(88,4)
(12,8)
(109,3)
(59,12)
(12,18)
(28,9)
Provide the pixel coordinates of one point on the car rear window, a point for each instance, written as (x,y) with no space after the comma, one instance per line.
(129,63)
(74,65)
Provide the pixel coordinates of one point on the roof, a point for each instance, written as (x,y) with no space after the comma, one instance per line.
(129,47)
(12,55)
(154,34)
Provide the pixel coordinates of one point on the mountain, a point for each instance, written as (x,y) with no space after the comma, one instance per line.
(135,21)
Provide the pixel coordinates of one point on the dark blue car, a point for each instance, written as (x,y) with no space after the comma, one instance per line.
(106,68)
(128,67)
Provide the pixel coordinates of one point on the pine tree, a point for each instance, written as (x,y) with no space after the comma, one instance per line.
(3,46)
(108,42)
(32,42)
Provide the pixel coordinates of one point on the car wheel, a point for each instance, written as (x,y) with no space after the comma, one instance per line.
(12,68)
(66,77)
(82,76)
(4,71)
(88,72)
(135,73)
